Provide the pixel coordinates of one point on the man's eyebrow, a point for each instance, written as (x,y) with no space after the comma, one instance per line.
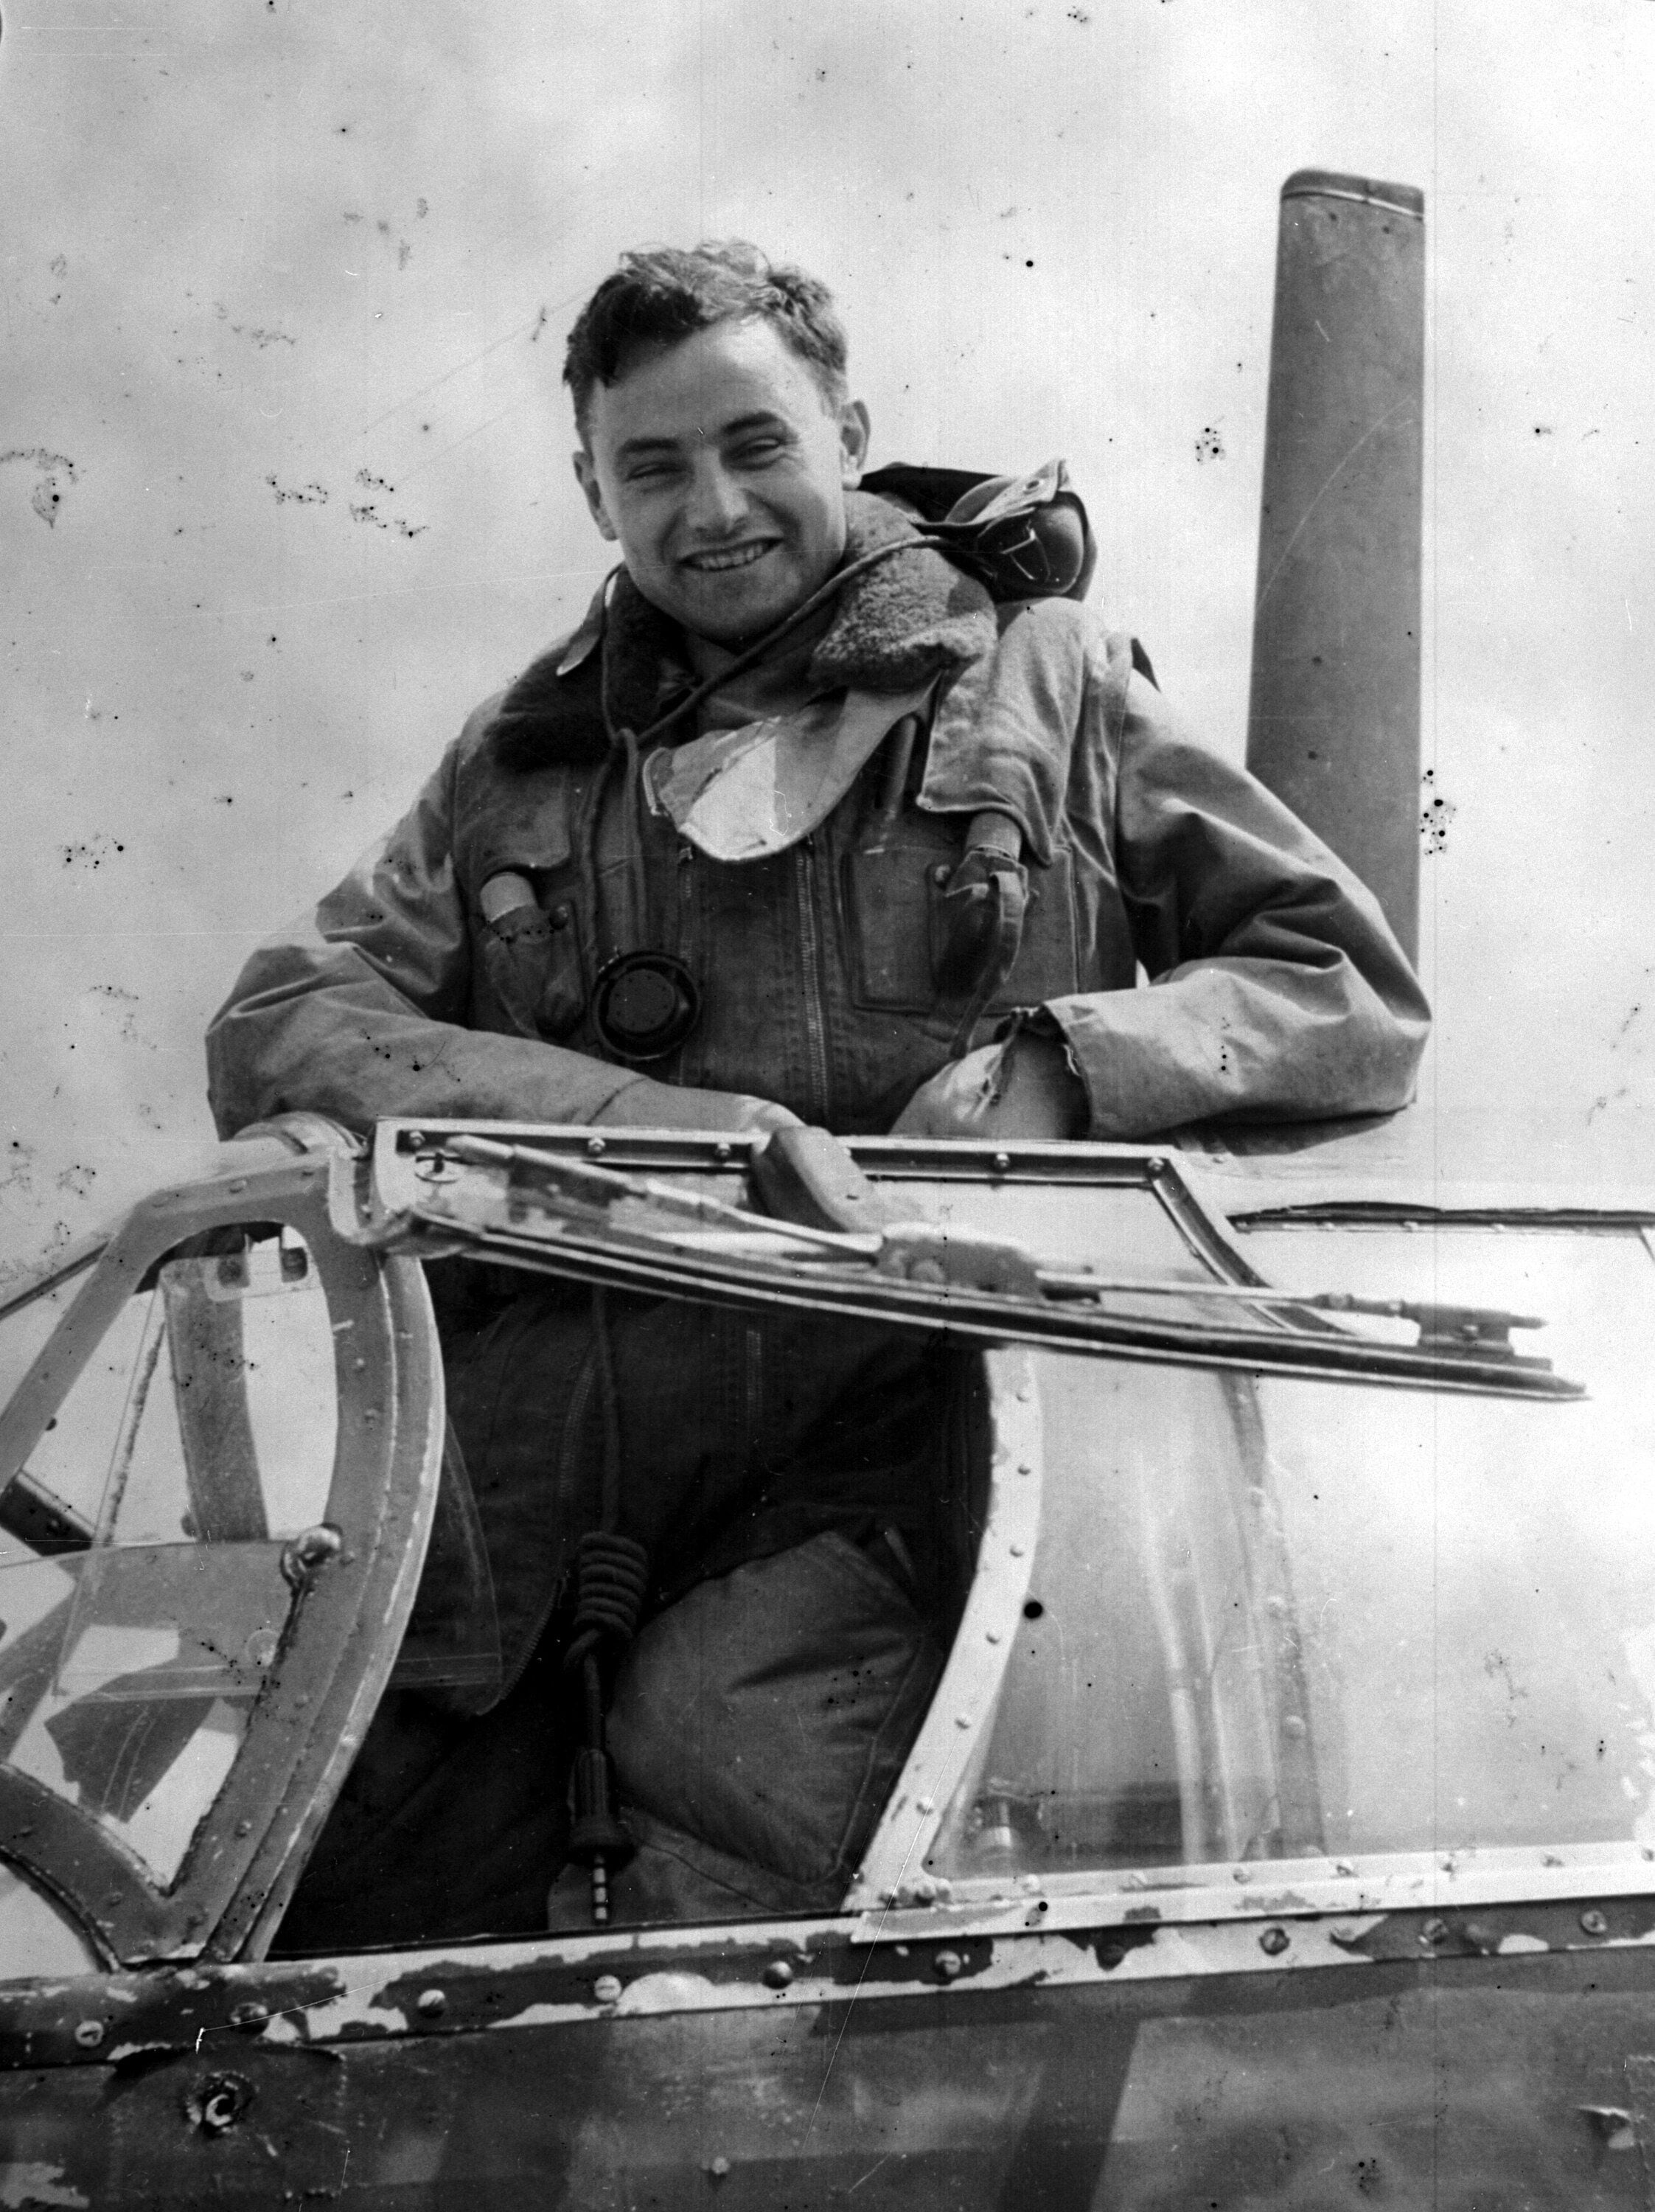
(762,419)
(634,448)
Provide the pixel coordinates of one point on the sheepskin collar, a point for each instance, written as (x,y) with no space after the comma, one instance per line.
(909,618)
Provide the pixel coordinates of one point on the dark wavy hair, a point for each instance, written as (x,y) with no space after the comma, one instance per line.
(661,295)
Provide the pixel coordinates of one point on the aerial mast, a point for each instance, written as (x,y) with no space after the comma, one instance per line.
(1333,724)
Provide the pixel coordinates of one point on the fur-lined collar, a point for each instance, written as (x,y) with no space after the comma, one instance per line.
(909,617)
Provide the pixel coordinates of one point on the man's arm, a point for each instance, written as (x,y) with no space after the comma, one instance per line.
(360,1011)
(1277,992)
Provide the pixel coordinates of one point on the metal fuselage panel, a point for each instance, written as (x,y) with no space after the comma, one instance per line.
(1460,2083)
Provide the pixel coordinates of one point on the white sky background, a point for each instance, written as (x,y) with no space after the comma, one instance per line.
(257,251)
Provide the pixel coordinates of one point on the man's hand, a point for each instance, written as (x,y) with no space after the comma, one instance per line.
(1022,1087)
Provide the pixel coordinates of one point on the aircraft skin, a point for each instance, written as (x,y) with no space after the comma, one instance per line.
(1415,2063)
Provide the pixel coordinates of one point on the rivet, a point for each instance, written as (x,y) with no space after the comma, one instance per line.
(595,1147)
(358,1365)
(1594,1922)
(777,1975)
(721,1151)
(413,1141)
(950,1965)
(1293,1724)
(370,1415)
(1109,1955)
(940,873)
(432,2003)
(1434,1931)
(718,2167)
(249,2013)
(1030,1885)
(1002,1163)
(1023,1467)
(1240,1874)
(238,1186)
(1026,1389)
(607,1989)
(924,1805)
(1016,1550)
(990,1635)
(962,1720)
(1344,1866)
(1274,1941)
(88,2034)
(560,917)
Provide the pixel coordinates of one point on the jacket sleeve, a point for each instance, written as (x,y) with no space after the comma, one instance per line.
(1276,989)
(359,1011)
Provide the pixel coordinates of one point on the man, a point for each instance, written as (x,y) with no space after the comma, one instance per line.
(801,822)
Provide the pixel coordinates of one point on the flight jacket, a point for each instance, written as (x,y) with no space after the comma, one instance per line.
(1202,955)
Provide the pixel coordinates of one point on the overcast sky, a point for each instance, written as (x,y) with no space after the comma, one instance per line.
(284,481)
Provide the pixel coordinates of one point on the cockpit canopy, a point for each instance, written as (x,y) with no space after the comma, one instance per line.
(1241,1583)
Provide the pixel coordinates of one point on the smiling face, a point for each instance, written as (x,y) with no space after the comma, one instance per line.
(720,470)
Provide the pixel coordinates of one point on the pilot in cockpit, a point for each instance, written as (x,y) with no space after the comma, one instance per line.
(836,806)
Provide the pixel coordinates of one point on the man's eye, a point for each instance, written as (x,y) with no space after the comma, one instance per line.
(649,472)
(757,451)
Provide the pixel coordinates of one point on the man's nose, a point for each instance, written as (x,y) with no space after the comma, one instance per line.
(718,500)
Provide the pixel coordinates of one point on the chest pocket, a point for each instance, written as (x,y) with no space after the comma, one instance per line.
(899,927)
(533,954)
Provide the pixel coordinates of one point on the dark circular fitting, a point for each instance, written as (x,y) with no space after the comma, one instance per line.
(1274,1941)
(1594,1922)
(217,2104)
(644,1006)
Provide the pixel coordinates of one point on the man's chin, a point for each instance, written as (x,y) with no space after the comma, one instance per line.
(740,606)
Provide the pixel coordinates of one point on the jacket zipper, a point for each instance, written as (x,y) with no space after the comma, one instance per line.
(815,1016)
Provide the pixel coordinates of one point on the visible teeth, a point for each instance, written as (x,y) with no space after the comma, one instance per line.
(741,556)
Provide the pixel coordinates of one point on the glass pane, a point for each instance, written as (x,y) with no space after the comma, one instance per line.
(1274,1619)
(126,1677)
(23,1333)
(1137,1724)
(37,1936)
(1126,1231)
(199,1436)
(209,1409)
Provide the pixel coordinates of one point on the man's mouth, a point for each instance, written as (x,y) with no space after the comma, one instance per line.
(730,556)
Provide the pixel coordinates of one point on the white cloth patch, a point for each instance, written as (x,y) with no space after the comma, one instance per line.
(746,794)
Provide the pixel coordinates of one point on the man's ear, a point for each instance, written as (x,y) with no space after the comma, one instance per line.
(587,476)
(854,432)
